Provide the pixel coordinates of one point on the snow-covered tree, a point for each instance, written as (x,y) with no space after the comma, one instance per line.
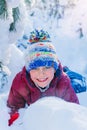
(13,17)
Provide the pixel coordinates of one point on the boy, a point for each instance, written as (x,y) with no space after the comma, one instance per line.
(41,76)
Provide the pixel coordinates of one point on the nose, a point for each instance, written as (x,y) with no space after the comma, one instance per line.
(41,71)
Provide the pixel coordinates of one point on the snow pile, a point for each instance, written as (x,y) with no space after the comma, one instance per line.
(48,113)
(53,113)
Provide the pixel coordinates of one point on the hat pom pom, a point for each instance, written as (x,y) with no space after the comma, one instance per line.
(39,36)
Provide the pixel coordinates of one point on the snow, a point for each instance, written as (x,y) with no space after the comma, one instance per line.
(53,113)
(13,3)
(49,113)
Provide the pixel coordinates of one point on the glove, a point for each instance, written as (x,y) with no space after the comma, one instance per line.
(13,117)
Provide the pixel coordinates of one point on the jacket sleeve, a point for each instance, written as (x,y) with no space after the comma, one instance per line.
(67,91)
(15,99)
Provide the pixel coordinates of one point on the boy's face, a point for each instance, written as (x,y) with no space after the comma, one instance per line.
(42,76)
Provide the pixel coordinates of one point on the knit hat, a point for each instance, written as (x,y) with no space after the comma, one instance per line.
(40,51)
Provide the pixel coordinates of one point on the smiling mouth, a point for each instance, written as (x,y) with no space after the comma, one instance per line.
(42,80)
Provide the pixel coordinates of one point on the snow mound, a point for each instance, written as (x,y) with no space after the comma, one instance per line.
(51,113)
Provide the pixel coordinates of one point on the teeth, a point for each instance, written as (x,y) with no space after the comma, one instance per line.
(42,79)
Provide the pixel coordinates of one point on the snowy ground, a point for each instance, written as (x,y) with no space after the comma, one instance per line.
(48,114)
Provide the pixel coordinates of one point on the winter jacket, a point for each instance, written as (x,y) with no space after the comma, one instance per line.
(23,91)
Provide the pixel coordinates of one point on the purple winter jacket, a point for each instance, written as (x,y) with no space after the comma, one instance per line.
(23,91)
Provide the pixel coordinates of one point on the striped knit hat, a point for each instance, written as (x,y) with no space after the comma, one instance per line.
(40,51)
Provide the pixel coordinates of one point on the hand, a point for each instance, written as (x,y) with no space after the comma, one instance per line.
(13,117)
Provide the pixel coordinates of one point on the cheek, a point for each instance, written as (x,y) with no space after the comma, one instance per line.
(32,75)
(50,74)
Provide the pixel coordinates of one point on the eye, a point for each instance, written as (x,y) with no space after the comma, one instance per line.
(47,67)
(34,69)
